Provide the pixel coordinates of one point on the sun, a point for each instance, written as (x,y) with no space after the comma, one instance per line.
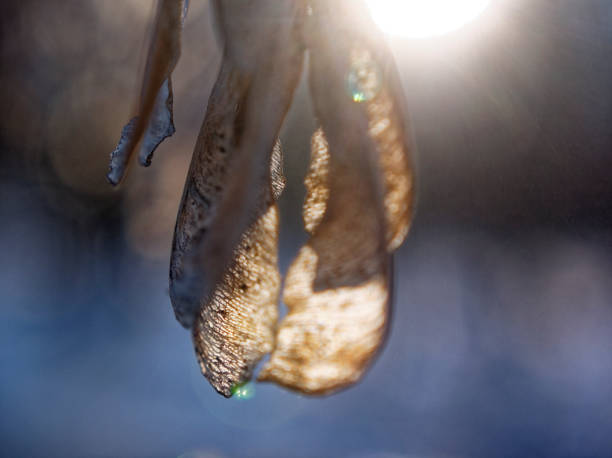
(424,18)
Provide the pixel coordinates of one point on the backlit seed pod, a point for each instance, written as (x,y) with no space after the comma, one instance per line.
(358,208)
(224,279)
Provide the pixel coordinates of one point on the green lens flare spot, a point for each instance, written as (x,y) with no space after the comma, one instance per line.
(243,391)
(359,97)
(364,80)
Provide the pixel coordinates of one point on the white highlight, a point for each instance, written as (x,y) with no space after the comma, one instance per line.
(424,18)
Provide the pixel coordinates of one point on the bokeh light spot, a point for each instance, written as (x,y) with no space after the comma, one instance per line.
(364,79)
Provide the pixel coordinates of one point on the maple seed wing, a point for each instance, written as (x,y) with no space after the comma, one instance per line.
(224,280)
(357,209)
(263,86)
(234,327)
(206,183)
(330,334)
(154,121)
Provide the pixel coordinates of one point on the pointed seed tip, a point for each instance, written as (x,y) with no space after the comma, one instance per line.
(111,179)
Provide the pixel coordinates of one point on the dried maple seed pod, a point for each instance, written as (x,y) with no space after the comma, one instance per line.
(357,209)
(254,83)
(224,280)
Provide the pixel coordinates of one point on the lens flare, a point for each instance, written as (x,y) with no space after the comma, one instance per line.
(424,18)
(243,391)
(364,80)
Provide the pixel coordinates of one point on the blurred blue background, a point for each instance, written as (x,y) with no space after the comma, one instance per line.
(501,339)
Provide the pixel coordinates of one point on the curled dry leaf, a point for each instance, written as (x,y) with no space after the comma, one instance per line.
(234,326)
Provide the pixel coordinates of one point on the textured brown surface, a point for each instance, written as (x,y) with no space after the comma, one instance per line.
(330,335)
(316,182)
(250,84)
(224,281)
(232,326)
(389,129)
(357,208)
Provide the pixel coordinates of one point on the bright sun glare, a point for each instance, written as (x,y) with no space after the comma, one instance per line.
(424,18)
